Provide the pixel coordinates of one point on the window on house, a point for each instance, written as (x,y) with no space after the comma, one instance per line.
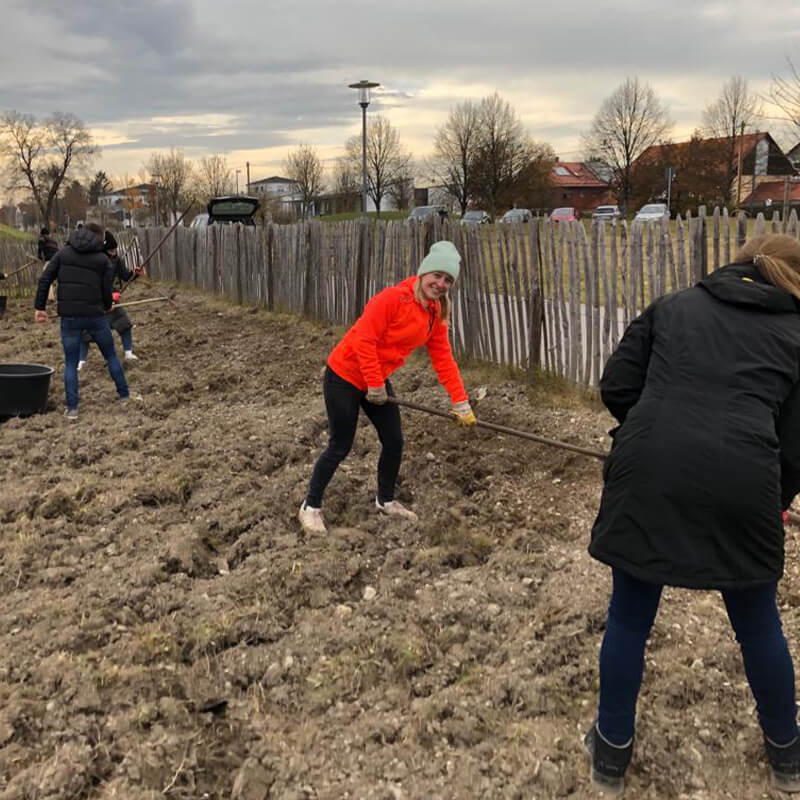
(762,158)
(562,171)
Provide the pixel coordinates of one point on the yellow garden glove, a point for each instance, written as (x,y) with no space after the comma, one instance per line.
(463,414)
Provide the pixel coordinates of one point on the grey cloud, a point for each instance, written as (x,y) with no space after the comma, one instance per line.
(284,65)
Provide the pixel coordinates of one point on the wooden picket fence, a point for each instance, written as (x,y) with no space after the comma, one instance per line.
(555,296)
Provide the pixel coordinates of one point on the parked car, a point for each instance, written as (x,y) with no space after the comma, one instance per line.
(231,209)
(475,218)
(565,214)
(606,212)
(651,212)
(426,213)
(517,215)
(200,221)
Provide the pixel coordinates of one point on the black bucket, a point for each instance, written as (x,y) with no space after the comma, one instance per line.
(23,389)
(3,302)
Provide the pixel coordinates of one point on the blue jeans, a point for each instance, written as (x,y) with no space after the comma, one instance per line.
(99,330)
(753,613)
(125,336)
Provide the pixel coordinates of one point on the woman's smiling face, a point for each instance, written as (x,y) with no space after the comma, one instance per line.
(435,284)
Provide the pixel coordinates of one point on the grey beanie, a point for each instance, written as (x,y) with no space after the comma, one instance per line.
(442,257)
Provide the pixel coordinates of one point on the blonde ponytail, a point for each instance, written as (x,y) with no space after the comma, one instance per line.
(776,256)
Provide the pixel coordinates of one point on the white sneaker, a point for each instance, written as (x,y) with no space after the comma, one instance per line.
(81,365)
(311,519)
(131,356)
(395,509)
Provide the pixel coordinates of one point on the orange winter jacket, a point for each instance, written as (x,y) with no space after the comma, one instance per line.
(393,324)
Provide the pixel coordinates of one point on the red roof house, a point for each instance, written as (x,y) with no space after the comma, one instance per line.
(576,185)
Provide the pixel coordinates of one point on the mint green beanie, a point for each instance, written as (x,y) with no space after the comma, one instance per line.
(442,257)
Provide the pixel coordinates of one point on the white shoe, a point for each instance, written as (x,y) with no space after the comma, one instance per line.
(81,365)
(395,509)
(131,356)
(311,519)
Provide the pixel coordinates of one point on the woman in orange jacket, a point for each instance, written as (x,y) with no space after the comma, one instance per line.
(394,323)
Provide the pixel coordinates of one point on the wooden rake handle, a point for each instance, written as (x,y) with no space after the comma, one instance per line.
(503,429)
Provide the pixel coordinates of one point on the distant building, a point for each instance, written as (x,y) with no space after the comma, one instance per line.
(760,156)
(113,200)
(273,187)
(768,196)
(578,186)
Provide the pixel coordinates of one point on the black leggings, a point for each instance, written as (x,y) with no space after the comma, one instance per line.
(342,401)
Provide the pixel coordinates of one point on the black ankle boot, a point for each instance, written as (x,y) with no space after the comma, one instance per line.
(609,761)
(784,761)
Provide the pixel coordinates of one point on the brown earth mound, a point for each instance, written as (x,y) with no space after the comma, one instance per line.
(166,630)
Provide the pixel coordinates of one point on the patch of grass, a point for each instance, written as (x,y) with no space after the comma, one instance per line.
(385,215)
(14,234)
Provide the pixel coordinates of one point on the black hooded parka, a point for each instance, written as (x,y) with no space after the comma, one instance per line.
(706,387)
(84,274)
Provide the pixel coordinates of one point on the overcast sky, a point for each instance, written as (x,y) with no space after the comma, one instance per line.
(254,78)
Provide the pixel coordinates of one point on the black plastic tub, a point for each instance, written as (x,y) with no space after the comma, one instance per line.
(23,389)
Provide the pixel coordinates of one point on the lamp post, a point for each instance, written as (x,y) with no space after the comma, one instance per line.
(363,100)
(237,180)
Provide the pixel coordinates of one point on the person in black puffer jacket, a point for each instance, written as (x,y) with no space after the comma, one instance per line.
(117,318)
(84,274)
(706,387)
(46,247)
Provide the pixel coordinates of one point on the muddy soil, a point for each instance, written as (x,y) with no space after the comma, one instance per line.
(167,631)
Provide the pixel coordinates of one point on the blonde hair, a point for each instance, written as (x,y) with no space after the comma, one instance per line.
(776,256)
(442,304)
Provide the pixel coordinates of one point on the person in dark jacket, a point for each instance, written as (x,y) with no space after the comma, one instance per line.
(705,385)
(46,247)
(84,274)
(118,320)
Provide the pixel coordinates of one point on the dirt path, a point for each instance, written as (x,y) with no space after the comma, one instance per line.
(165,630)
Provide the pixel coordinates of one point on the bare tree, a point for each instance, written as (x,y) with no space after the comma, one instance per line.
(40,156)
(213,178)
(785,93)
(731,115)
(401,191)
(629,121)
(345,178)
(504,150)
(387,160)
(456,149)
(304,169)
(172,174)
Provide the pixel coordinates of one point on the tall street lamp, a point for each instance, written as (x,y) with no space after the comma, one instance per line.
(363,100)
(237,180)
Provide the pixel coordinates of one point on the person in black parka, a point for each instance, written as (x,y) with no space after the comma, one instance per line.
(705,385)
(118,319)
(84,274)
(46,247)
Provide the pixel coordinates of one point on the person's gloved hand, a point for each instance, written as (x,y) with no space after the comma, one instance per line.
(138,271)
(377,395)
(463,413)
(2,276)
(785,517)
(116,297)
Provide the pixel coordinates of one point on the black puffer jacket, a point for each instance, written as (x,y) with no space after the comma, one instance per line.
(46,247)
(84,274)
(705,384)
